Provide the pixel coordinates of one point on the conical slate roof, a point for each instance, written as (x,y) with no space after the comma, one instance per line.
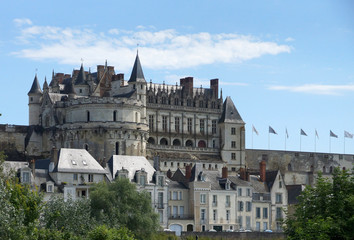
(35,89)
(230,113)
(81,78)
(45,84)
(137,72)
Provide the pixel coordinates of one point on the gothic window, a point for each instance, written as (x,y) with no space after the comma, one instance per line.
(213,105)
(114,116)
(189,143)
(117,148)
(201,144)
(164,123)
(176,142)
(151,99)
(151,123)
(213,127)
(189,102)
(151,140)
(177,125)
(163,100)
(201,103)
(189,125)
(176,101)
(88,116)
(201,125)
(163,141)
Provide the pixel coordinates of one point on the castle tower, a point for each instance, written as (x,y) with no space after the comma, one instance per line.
(232,131)
(137,81)
(81,86)
(34,102)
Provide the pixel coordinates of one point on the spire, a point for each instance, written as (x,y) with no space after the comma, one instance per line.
(35,89)
(137,72)
(45,84)
(230,113)
(69,89)
(81,78)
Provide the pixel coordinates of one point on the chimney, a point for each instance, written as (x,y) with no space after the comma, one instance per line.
(188,171)
(262,170)
(54,156)
(100,70)
(242,174)
(214,85)
(33,166)
(224,172)
(247,174)
(187,84)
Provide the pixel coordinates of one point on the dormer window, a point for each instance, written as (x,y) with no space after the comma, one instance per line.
(73,162)
(84,162)
(160,181)
(26,177)
(227,186)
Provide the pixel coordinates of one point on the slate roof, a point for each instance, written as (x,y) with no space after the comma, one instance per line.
(293,192)
(230,113)
(35,89)
(270,178)
(81,78)
(78,161)
(137,72)
(132,164)
(42,164)
(125,95)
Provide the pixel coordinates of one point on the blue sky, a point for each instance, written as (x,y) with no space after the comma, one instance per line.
(286,64)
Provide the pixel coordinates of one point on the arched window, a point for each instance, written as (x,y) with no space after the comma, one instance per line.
(201,144)
(114,116)
(163,141)
(163,100)
(330,169)
(189,102)
(189,143)
(324,169)
(176,142)
(201,104)
(117,148)
(88,116)
(151,140)
(289,167)
(176,101)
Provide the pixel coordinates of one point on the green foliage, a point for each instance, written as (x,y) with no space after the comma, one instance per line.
(325,211)
(69,217)
(104,233)
(118,204)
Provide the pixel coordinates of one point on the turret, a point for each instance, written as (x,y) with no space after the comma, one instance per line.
(81,86)
(34,102)
(232,135)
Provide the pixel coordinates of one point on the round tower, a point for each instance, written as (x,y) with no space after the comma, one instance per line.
(34,102)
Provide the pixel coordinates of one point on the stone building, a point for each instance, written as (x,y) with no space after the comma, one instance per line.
(107,115)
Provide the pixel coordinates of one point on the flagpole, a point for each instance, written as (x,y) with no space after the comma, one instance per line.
(285,139)
(329,144)
(252,137)
(268,140)
(344,145)
(300,141)
(315,140)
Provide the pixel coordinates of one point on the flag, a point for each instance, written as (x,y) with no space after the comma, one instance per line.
(254,130)
(302,132)
(271,130)
(316,134)
(286,132)
(331,134)
(348,135)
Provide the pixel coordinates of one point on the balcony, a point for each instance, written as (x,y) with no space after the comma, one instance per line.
(180,216)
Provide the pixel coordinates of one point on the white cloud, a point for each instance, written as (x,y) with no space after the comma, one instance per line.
(22,21)
(316,89)
(165,49)
(289,39)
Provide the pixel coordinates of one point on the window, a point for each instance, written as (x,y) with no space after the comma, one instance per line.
(181,211)
(160,200)
(203,198)
(177,124)
(75,177)
(258,212)
(180,195)
(114,116)
(50,188)
(161,216)
(278,198)
(84,162)
(175,211)
(151,123)
(151,99)
(248,206)
(240,221)
(25,177)
(142,180)
(189,125)
(233,144)
(279,213)
(213,127)
(227,204)
(215,214)
(233,156)
(279,226)
(117,148)
(201,104)
(233,131)
(163,100)
(258,226)
(280,184)
(164,123)
(248,222)
(265,225)
(227,215)
(201,125)
(160,181)
(240,206)
(239,192)
(248,192)
(174,195)
(202,214)
(189,102)
(215,200)
(73,162)
(88,116)
(176,101)
(90,177)
(265,213)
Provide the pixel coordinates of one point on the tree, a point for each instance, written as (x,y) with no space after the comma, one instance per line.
(102,232)
(325,211)
(119,204)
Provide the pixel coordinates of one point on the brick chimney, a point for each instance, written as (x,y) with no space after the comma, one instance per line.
(188,171)
(214,85)
(262,170)
(243,174)
(55,155)
(187,83)
(224,172)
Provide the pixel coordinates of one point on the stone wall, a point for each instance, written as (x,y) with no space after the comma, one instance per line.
(234,235)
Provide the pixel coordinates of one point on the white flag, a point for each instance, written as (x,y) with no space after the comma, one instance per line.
(348,135)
